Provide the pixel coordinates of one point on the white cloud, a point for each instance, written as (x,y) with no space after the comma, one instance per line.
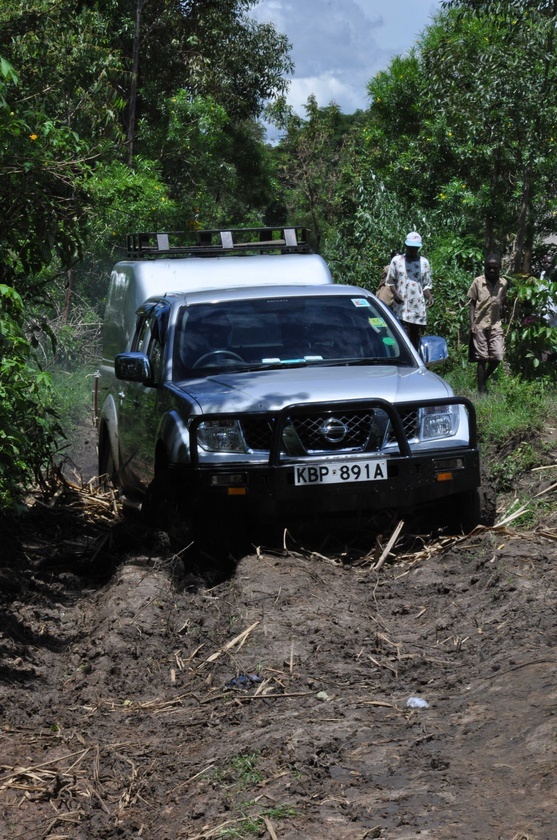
(326,89)
(339,45)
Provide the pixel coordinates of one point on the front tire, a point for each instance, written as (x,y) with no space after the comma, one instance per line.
(472,508)
(167,507)
(108,476)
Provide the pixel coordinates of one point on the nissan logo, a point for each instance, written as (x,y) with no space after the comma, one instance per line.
(333,430)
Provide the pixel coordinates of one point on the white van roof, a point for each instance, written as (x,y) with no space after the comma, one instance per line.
(195,274)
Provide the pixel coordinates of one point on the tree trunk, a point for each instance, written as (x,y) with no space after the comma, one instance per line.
(489,241)
(134,81)
(528,249)
(523,220)
(68,297)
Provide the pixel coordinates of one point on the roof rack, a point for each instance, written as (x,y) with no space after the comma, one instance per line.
(289,240)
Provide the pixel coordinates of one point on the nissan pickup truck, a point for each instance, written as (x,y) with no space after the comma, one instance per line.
(238,377)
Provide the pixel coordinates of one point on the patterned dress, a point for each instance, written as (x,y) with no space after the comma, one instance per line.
(410,278)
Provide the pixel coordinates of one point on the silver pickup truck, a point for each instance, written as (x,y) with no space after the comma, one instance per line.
(237,377)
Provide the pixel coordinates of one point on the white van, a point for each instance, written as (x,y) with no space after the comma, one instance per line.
(262,257)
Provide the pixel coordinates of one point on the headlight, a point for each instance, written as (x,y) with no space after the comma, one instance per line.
(220,436)
(438,421)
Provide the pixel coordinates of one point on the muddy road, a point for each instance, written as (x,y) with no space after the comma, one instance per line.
(293,691)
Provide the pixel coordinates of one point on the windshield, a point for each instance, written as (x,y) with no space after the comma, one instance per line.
(281,332)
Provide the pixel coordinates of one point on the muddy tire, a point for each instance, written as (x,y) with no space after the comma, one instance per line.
(168,508)
(472,508)
(108,477)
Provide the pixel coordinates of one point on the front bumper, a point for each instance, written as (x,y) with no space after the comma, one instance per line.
(410,483)
(415,477)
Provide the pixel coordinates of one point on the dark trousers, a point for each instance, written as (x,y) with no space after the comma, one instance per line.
(413,331)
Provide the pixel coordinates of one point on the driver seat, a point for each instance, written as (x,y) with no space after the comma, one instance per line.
(204,334)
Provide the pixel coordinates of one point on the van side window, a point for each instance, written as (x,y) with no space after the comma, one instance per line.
(155,350)
(147,340)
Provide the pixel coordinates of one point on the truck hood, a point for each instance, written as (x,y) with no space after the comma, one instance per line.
(274,389)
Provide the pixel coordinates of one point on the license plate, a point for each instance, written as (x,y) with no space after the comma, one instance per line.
(346,473)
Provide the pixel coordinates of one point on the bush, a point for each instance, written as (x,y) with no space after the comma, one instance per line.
(531,344)
(29,428)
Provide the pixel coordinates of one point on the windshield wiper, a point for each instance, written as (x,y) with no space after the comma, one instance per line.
(372,360)
(278,365)
(315,362)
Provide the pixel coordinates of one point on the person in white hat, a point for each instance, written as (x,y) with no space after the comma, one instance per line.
(409,278)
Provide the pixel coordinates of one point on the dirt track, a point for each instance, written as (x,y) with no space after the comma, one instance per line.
(120,720)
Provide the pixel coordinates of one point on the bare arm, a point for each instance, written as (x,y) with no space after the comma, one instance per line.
(392,282)
(472,316)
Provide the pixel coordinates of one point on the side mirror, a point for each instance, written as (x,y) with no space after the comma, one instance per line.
(133,367)
(433,350)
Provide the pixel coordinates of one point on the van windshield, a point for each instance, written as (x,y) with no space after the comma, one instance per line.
(280,332)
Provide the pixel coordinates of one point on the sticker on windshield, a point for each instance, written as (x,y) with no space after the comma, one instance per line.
(389,341)
(360,302)
(377,322)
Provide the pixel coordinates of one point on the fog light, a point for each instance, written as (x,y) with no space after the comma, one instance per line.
(446,464)
(228,479)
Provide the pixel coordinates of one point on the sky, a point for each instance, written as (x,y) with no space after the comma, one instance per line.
(339,45)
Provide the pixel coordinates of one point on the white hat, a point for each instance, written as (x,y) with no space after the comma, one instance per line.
(413,240)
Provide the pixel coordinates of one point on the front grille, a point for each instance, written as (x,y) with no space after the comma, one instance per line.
(409,418)
(258,432)
(323,432)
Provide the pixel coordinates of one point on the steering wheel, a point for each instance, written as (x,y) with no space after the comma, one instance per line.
(224,354)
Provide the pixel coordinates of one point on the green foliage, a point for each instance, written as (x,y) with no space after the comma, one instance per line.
(216,168)
(511,421)
(309,167)
(72,396)
(531,341)
(365,242)
(67,65)
(455,261)
(39,160)
(534,510)
(240,770)
(395,144)
(127,199)
(7,73)
(60,114)
(244,767)
(515,410)
(29,429)
(510,10)
(378,227)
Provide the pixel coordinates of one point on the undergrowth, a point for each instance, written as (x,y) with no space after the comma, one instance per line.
(514,419)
